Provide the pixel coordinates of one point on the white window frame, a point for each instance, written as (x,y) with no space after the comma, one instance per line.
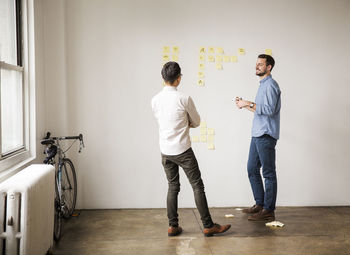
(20,158)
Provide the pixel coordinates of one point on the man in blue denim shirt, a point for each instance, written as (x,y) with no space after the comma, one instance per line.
(265,133)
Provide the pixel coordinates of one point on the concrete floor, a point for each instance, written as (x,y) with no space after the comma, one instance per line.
(307,230)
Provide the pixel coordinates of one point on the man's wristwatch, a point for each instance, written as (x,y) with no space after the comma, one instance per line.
(251,105)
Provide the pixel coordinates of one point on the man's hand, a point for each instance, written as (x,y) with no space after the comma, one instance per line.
(241,103)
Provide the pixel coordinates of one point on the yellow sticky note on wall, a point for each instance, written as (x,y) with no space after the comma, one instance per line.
(166,49)
(227,59)
(268,52)
(166,57)
(234,59)
(210,138)
(195,138)
(211,50)
(203,124)
(176,49)
(241,51)
(200,75)
(200,83)
(202,57)
(219,66)
(203,138)
(211,146)
(211,131)
(203,131)
(220,50)
(219,58)
(201,49)
(211,58)
(175,57)
(201,66)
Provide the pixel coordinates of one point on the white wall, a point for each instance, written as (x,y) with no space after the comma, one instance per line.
(102,67)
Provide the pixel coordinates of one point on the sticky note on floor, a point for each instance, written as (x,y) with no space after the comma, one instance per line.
(275,224)
(201,66)
(234,59)
(201,83)
(211,131)
(268,52)
(211,50)
(219,66)
(166,49)
(229,216)
(195,138)
(201,49)
(200,75)
(203,124)
(241,51)
(203,138)
(176,49)
(201,57)
(219,58)
(203,131)
(220,50)
(211,58)
(211,146)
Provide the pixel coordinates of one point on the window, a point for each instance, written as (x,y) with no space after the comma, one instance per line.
(12,91)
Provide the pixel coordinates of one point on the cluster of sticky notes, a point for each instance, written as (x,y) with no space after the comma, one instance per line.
(170,53)
(206,135)
(274,224)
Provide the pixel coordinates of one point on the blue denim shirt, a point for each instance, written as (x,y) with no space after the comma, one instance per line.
(268,104)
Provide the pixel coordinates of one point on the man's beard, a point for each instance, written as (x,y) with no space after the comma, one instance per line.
(260,74)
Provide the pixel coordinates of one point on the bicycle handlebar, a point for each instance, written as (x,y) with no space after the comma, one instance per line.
(51,140)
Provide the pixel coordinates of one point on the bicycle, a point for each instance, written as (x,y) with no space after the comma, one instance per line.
(65,178)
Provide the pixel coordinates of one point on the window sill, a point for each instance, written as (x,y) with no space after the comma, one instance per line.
(12,165)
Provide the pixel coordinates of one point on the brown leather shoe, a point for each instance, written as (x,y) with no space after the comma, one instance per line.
(264,215)
(253,209)
(174,231)
(216,229)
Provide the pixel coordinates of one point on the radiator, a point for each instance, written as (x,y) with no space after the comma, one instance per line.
(27,211)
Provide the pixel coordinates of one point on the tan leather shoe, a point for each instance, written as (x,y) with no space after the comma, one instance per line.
(263,215)
(253,209)
(216,229)
(174,231)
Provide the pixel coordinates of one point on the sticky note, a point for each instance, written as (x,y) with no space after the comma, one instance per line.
(201,66)
(227,59)
(210,138)
(166,49)
(274,224)
(200,83)
(176,49)
(219,58)
(201,49)
(220,50)
(175,57)
(203,124)
(211,146)
(202,57)
(211,58)
(195,138)
(200,75)
(203,138)
(211,50)
(229,216)
(211,131)
(166,57)
(268,52)
(234,59)
(219,66)
(241,51)
(203,131)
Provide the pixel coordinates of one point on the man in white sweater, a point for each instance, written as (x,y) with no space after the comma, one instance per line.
(176,114)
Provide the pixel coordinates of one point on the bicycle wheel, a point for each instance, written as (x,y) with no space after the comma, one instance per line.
(58,220)
(68,187)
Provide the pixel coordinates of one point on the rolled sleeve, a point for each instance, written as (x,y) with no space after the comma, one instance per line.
(268,106)
(193,116)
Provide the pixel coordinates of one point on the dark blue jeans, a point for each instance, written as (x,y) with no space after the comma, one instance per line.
(262,154)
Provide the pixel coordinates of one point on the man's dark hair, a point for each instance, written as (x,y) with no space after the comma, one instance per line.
(269,60)
(171,71)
